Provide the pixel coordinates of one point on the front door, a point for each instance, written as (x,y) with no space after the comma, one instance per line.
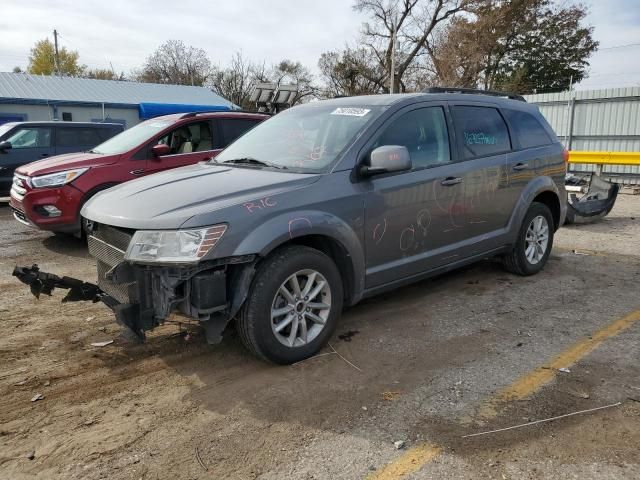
(411,217)
(190,144)
(28,144)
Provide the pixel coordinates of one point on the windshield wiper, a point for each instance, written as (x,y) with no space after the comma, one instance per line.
(253,161)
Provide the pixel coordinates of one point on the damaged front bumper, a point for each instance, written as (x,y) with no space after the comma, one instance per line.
(144,296)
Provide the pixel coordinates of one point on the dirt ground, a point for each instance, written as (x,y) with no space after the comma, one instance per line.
(424,359)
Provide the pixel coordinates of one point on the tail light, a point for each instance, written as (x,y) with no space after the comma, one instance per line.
(565,155)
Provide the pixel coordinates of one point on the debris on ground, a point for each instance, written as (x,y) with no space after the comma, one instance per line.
(102,344)
(347,336)
(47,383)
(36,397)
(390,396)
(617,404)
(31,455)
(21,382)
(399,444)
(595,203)
(90,318)
(564,370)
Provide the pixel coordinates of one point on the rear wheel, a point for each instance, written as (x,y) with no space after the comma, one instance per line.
(293,305)
(534,242)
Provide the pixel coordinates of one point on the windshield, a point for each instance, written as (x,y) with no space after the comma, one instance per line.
(132,137)
(5,128)
(306,139)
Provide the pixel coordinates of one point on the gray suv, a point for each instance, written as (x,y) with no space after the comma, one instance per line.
(321,206)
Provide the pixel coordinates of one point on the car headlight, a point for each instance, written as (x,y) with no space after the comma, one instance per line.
(57,179)
(173,246)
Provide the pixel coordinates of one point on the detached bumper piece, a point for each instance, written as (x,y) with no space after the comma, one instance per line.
(44,283)
(596,203)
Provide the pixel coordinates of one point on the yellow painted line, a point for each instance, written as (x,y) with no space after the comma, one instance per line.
(533,381)
(416,457)
(410,461)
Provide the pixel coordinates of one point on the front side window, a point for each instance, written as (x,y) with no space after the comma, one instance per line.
(303,139)
(194,137)
(30,137)
(527,129)
(424,133)
(481,131)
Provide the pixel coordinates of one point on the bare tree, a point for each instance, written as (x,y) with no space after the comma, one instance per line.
(176,63)
(288,71)
(235,81)
(413,22)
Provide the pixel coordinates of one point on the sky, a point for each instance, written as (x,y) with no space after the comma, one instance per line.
(123,33)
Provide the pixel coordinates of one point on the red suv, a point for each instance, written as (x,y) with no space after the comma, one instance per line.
(49,193)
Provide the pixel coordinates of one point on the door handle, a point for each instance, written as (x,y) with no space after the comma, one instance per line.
(137,172)
(521,166)
(44,154)
(447,182)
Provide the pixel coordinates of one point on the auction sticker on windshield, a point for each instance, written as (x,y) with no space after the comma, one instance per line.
(352,112)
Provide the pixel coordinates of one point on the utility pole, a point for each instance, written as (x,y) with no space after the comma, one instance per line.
(56,56)
(392,74)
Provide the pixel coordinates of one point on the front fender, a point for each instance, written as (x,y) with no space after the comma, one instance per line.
(534,188)
(291,225)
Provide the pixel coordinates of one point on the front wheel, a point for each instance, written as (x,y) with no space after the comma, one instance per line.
(534,242)
(293,305)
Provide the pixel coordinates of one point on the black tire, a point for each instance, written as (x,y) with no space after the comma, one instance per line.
(516,261)
(254,323)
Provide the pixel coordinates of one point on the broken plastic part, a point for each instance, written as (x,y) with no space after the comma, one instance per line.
(42,282)
(593,205)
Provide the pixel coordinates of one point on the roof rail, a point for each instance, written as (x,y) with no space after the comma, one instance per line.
(194,114)
(512,96)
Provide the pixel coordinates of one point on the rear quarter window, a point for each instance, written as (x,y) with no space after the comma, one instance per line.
(232,128)
(480,131)
(527,129)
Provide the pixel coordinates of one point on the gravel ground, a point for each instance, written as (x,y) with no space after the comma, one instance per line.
(428,357)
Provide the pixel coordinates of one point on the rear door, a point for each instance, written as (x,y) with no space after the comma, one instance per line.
(28,144)
(484,144)
(190,143)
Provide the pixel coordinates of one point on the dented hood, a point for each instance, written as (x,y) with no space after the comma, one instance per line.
(168,199)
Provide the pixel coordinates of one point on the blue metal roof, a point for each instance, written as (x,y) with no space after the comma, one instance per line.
(40,89)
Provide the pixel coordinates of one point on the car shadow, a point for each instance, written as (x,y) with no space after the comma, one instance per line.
(384,347)
(66,245)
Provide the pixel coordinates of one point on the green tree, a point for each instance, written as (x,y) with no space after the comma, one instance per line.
(103,74)
(42,60)
(521,46)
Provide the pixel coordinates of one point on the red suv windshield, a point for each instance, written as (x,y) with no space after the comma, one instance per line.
(132,137)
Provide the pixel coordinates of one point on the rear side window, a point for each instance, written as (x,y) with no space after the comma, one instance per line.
(527,129)
(481,131)
(74,136)
(232,128)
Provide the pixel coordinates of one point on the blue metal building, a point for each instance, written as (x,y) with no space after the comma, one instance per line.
(39,97)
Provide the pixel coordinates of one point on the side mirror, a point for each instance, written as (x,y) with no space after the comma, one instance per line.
(160,150)
(4,146)
(387,159)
